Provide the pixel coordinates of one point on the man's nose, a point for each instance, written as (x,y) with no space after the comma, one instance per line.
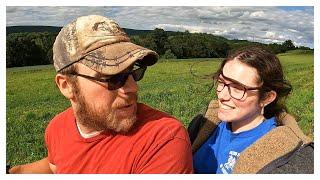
(130,86)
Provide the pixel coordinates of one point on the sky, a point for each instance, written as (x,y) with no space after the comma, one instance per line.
(266,24)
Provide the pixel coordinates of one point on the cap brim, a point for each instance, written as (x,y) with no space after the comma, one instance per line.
(114,58)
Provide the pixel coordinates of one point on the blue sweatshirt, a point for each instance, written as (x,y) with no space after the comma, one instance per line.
(220,152)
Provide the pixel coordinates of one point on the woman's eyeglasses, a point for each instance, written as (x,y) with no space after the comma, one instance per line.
(236,91)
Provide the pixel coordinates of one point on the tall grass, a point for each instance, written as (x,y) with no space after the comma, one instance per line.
(171,86)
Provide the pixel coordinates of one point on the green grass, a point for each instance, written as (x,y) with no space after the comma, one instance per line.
(298,52)
(33,100)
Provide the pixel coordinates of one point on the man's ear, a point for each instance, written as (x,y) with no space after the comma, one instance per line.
(64,86)
(268,98)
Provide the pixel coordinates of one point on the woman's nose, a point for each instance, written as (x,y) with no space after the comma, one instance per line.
(224,94)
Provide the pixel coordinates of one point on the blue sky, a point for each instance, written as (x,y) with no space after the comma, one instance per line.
(295,8)
(257,23)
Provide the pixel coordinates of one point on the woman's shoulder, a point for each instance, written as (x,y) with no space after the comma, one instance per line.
(301,162)
(207,121)
(281,149)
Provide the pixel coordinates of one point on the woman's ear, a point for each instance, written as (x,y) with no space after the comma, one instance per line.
(64,86)
(268,98)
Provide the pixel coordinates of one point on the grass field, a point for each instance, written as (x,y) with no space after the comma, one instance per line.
(33,99)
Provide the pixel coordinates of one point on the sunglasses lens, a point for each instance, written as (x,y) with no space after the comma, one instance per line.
(138,73)
(117,81)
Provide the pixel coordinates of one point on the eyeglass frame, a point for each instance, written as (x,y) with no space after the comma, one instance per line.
(106,81)
(246,88)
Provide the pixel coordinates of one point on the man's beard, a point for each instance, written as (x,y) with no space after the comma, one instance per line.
(102,119)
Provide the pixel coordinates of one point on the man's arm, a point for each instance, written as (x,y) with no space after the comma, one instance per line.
(39,167)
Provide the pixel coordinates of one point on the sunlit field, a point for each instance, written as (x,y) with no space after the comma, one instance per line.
(178,87)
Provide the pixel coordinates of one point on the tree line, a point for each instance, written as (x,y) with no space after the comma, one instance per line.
(28,49)
(35,48)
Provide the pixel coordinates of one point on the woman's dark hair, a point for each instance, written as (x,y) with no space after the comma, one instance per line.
(270,74)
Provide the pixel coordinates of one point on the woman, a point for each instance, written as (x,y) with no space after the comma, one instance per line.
(247,130)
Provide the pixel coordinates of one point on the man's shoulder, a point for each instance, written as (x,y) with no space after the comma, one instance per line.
(150,114)
(158,122)
(61,118)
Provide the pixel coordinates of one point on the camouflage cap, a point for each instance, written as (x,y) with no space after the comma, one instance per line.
(100,44)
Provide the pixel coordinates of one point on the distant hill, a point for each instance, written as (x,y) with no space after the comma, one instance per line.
(54,29)
(18,29)
(133,32)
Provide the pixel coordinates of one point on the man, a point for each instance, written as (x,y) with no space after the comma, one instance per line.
(105,130)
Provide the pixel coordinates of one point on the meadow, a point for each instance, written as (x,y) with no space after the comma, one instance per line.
(178,87)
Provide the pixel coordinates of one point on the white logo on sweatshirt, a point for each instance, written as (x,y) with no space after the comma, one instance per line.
(227,167)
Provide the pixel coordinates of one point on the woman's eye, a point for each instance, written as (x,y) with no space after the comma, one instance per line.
(237,87)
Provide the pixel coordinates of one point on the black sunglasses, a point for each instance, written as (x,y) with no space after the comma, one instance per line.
(117,81)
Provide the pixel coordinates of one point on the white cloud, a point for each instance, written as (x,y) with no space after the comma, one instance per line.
(271,35)
(293,30)
(251,23)
(182,28)
(257,14)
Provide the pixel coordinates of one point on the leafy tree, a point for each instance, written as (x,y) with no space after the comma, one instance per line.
(160,38)
(21,51)
(288,45)
(25,49)
(169,55)
(276,48)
